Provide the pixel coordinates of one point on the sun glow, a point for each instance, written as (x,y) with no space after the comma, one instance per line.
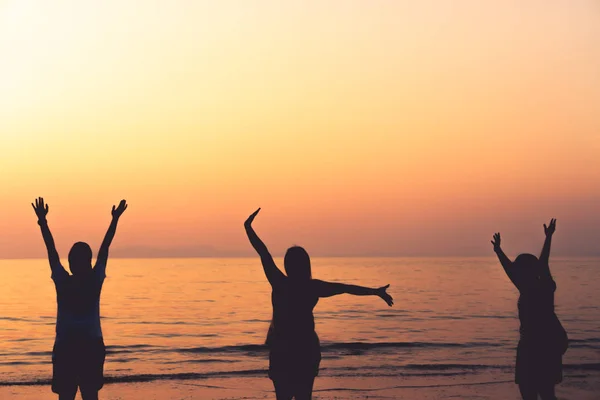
(397,123)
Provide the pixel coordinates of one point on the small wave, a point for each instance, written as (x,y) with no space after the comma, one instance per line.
(15,319)
(152,377)
(17,363)
(584,366)
(381,345)
(134,348)
(423,370)
(259,348)
(331,347)
(443,367)
(592,343)
(327,348)
(413,386)
(154,323)
(137,378)
(225,349)
(589,340)
(29,354)
(491,316)
(200,361)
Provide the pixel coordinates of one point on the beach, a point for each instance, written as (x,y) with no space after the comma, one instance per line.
(327,388)
(441,153)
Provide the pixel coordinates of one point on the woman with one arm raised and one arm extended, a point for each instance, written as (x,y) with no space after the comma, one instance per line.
(78,354)
(294,349)
(543,339)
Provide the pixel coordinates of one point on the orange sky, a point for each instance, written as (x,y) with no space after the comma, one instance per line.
(360,127)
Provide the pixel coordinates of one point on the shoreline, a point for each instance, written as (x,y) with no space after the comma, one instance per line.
(489,387)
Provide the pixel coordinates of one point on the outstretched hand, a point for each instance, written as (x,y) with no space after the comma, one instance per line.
(41,209)
(549,230)
(496,241)
(118,211)
(250,219)
(381,292)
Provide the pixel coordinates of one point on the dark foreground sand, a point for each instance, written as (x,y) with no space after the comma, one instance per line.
(574,387)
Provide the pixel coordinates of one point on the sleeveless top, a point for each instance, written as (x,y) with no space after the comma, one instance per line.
(539,322)
(293,321)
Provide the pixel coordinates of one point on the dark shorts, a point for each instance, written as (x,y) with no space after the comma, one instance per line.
(78,363)
(296,361)
(538,364)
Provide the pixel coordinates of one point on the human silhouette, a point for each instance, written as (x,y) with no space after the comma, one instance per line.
(543,339)
(294,349)
(78,353)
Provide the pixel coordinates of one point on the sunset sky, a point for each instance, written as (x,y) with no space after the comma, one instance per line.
(360,127)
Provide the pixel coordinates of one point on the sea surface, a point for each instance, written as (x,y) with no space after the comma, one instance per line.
(454,319)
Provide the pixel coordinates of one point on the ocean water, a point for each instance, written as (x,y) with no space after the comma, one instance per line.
(454,319)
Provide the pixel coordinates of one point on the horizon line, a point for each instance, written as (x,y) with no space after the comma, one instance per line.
(317,256)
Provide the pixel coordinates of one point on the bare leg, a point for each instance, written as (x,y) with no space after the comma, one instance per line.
(528,392)
(67,395)
(304,389)
(89,394)
(283,391)
(547,392)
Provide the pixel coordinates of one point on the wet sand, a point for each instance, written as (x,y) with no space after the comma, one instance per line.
(576,387)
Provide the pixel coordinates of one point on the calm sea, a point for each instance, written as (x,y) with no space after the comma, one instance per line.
(453,319)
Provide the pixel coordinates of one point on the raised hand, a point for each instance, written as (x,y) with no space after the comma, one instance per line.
(250,219)
(41,209)
(496,241)
(381,292)
(118,211)
(549,230)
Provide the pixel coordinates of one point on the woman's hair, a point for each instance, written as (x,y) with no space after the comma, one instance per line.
(527,265)
(80,258)
(297,263)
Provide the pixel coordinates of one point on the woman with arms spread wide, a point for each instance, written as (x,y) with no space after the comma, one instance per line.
(294,350)
(543,339)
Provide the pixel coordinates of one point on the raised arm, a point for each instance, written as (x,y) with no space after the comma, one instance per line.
(328,289)
(41,210)
(504,260)
(102,259)
(545,256)
(274,275)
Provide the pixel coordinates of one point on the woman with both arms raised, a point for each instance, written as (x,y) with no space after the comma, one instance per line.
(543,339)
(79,351)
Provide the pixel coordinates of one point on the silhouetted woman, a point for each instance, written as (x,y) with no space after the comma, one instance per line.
(543,339)
(78,353)
(294,350)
